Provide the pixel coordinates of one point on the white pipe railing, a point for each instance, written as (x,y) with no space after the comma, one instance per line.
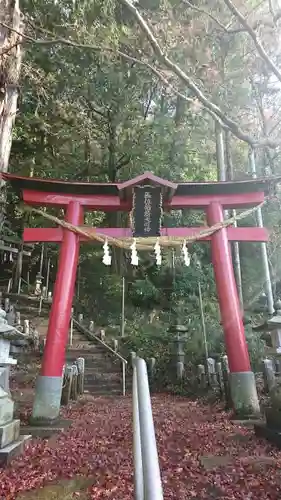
(147,478)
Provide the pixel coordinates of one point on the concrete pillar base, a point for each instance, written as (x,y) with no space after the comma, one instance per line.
(244,394)
(47,402)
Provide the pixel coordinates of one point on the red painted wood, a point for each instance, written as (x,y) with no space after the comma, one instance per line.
(55,235)
(104,203)
(235,341)
(237,200)
(57,335)
(41,234)
(108,203)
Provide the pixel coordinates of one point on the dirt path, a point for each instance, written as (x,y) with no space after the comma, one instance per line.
(202,456)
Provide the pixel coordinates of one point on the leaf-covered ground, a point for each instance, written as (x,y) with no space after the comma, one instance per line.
(202,456)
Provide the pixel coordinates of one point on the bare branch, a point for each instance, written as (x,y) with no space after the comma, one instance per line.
(225,29)
(247,15)
(208,104)
(270,64)
(213,110)
(123,160)
(94,108)
(271,9)
(202,11)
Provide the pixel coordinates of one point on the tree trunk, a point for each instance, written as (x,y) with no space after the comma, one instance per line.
(10,62)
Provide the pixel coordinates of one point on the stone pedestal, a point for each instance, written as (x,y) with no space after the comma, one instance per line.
(10,440)
(202,379)
(212,376)
(80,362)
(271,429)
(268,375)
(67,384)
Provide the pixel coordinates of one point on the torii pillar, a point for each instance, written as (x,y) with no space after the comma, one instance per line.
(46,406)
(241,378)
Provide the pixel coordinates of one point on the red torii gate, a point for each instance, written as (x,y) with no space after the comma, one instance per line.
(77,197)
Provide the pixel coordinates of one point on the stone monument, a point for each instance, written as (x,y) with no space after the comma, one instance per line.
(38,284)
(10,440)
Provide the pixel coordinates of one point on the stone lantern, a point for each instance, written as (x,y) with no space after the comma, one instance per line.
(272,330)
(274,325)
(10,440)
(181,336)
(38,284)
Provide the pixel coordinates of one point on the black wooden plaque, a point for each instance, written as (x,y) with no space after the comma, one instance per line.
(147,211)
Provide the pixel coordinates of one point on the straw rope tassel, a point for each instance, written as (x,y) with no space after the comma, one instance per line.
(134,254)
(106,255)
(186,255)
(157,250)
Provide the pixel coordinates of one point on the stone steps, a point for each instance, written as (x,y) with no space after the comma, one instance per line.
(96,391)
(103,371)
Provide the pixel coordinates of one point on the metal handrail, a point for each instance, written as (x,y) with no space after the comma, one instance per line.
(147,477)
(91,335)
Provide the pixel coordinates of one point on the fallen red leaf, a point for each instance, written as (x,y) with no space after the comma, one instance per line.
(99,446)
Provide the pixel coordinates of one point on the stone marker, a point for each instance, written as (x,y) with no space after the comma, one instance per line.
(201,373)
(133,356)
(151,362)
(277,363)
(18,319)
(74,385)
(102,335)
(180,370)
(11,316)
(211,367)
(26,326)
(80,318)
(268,374)
(35,338)
(67,383)
(115,345)
(80,362)
(42,344)
(220,377)
(225,373)
(91,327)
(7,305)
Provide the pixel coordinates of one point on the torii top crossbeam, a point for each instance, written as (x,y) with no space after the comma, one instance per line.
(118,196)
(111,197)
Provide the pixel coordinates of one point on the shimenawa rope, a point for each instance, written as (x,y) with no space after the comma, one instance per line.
(143,243)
